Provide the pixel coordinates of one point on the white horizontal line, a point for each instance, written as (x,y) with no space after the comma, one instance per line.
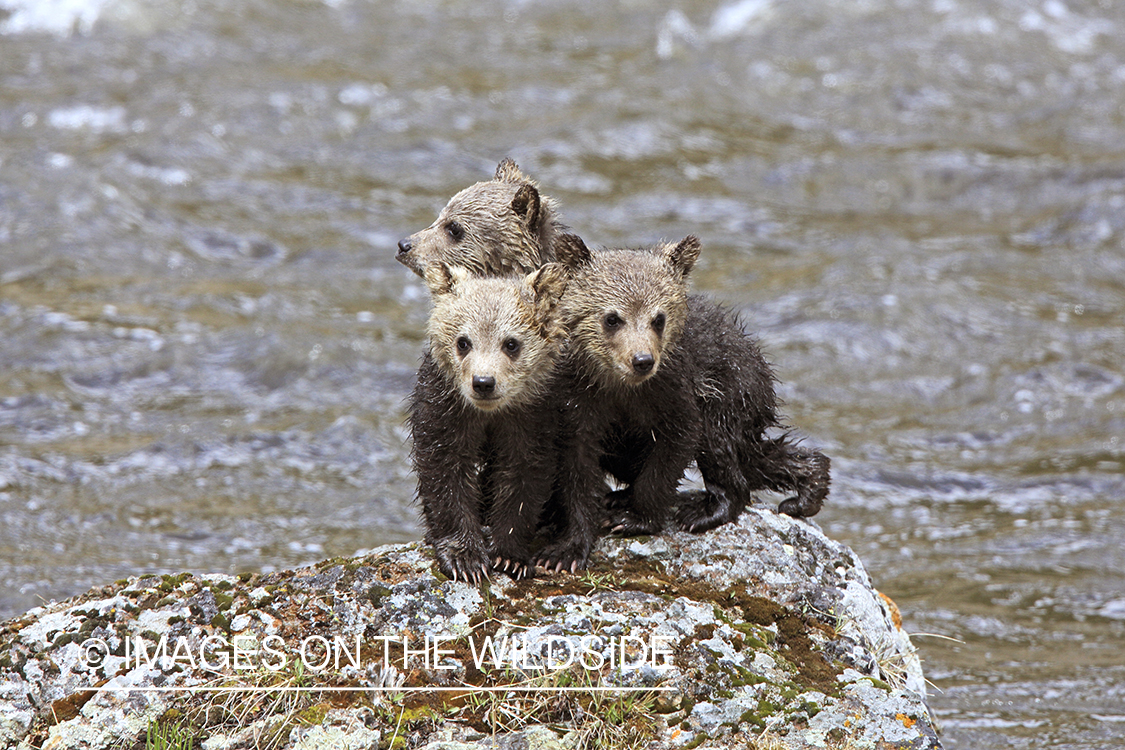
(337,689)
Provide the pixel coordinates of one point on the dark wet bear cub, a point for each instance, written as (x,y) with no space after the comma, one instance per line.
(482,417)
(657,379)
(630,408)
(498,227)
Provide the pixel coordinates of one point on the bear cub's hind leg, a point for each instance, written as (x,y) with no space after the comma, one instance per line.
(810,470)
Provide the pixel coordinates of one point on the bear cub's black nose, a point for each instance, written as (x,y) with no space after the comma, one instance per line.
(643,362)
(404,246)
(484,384)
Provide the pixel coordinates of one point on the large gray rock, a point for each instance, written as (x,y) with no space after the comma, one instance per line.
(765,631)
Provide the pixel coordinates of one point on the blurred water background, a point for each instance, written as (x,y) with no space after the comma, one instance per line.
(205,341)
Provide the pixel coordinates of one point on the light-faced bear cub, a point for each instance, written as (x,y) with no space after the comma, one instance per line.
(483,416)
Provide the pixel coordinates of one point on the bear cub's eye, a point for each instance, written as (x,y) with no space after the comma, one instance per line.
(464,345)
(456,231)
(512,347)
(612,321)
(658,323)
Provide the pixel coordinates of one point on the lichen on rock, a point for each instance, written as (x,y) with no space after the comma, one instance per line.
(759,632)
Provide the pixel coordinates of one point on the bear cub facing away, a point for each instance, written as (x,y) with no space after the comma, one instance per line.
(482,416)
(655,380)
(498,227)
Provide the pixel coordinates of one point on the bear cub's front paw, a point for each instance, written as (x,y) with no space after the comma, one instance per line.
(703,510)
(621,519)
(566,554)
(507,558)
(628,523)
(462,561)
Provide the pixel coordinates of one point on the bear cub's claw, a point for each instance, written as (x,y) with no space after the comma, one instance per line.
(705,510)
(468,566)
(564,556)
(621,519)
(625,523)
(516,569)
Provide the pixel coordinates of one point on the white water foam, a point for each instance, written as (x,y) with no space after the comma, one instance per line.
(60,17)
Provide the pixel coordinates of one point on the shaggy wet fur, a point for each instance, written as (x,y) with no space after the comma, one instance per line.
(744,446)
(656,379)
(499,227)
(483,415)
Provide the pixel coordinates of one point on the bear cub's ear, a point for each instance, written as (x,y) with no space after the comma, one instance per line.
(442,279)
(527,206)
(507,171)
(682,257)
(571,251)
(526,202)
(546,285)
(548,281)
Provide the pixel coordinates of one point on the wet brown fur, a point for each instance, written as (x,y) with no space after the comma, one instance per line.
(499,227)
(644,400)
(709,395)
(482,416)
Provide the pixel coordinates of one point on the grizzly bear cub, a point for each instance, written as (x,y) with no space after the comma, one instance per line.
(483,415)
(656,379)
(499,227)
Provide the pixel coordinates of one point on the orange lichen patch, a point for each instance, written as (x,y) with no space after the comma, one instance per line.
(67,708)
(896,616)
(906,720)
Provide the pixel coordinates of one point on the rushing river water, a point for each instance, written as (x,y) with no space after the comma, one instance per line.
(205,341)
